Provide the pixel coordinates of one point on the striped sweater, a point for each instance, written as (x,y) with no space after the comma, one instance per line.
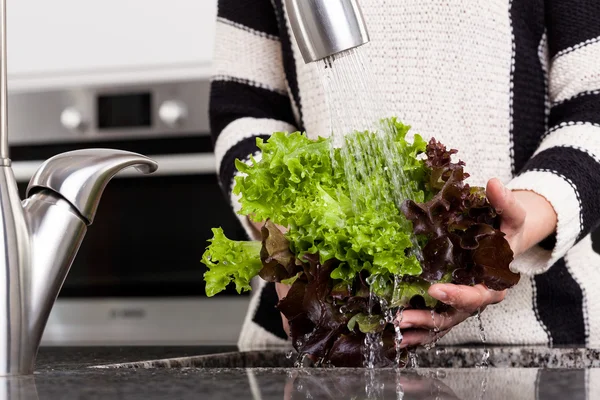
(513,84)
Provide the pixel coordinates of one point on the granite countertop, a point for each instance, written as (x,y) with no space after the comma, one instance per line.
(198,373)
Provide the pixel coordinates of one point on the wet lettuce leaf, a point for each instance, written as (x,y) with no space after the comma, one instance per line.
(230,261)
(335,255)
(296,185)
(366,323)
(279,263)
(461,228)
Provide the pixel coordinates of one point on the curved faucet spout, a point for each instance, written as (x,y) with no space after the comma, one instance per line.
(42,236)
(81,176)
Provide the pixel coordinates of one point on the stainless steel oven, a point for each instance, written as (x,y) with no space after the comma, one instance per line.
(137,278)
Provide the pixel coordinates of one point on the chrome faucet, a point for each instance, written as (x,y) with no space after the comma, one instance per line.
(323,28)
(41,235)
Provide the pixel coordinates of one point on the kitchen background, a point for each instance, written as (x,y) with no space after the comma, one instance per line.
(133,75)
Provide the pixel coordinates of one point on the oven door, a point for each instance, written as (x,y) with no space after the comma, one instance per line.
(137,278)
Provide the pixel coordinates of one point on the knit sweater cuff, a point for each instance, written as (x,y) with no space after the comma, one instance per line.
(563,197)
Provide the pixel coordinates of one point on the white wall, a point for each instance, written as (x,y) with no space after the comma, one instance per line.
(56,42)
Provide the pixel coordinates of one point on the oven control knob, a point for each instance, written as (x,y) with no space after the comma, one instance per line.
(172,112)
(72,119)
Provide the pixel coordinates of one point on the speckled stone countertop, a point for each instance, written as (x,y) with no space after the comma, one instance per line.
(220,373)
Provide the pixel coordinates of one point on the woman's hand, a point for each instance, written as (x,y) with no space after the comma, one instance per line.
(526,218)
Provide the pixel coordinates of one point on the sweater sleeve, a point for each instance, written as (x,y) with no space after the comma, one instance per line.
(565,167)
(248,96)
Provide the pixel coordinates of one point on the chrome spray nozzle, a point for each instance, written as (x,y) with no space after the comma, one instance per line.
(326,27)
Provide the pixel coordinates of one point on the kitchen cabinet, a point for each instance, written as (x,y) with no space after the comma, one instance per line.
(72,42)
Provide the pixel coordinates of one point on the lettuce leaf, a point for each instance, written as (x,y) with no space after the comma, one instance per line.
(339,250)
(228,260)
(366,323)
(461,228)
(296,185)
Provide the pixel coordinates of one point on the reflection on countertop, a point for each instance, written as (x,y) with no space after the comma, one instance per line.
(67,373)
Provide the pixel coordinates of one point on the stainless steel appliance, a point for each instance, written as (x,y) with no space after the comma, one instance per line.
(323,28)
(137,278)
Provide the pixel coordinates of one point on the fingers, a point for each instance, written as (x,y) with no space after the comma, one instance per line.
(505,202)
(423,326)
(417,337)
(466,298)
(422,319)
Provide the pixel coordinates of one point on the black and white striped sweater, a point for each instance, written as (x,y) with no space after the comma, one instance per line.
(513,84)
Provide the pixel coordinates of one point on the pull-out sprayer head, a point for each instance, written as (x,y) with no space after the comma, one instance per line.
(326,27)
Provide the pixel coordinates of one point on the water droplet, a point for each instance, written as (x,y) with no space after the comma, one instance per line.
(398,338)
(301,360)
(436,329)
(289,354)
(414,361)
(486,353)
(484,384)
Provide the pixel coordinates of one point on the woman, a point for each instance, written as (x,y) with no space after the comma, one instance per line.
(512,84)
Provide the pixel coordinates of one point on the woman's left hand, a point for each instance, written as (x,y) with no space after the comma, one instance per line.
(526,218)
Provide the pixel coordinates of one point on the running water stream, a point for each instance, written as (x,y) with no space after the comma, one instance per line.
(352,94)
(486,352)
(354,101)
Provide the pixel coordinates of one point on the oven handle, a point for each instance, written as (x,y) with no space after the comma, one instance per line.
(168,165)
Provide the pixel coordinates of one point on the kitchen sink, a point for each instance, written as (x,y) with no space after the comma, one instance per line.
(441,357)
(443,373)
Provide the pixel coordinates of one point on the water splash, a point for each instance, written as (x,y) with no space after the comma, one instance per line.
(289,354)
